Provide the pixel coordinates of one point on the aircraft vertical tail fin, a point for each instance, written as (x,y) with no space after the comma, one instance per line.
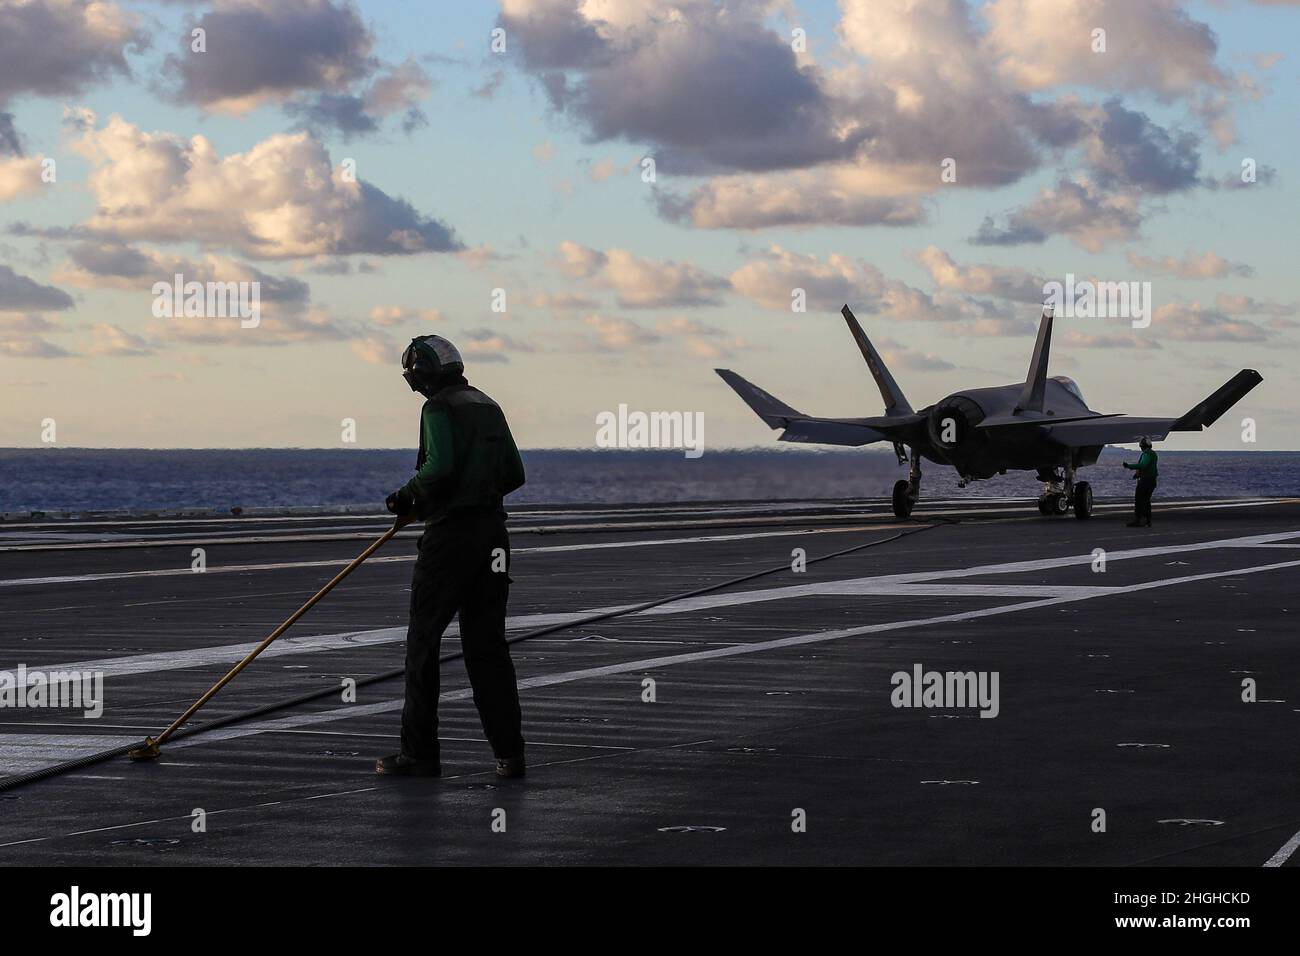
(895,402)
(1032,395)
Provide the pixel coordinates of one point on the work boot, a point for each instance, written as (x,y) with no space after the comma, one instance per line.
(511,766)
(1134,524)
(403,766)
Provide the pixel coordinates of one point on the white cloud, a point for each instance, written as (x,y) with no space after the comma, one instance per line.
(281,199)
(642,283)
(1003,282)
(1206,265)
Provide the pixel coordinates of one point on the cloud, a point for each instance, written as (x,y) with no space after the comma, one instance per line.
(1248,305)
(487,345)
(10,141)
(117,265)
(1207,265)
(897,355)
(18,293)
(771,279)
(1127,150)
(279,326)
(642,283)
(61,47)
(701,340)
(108,339)
(1153,46)
(1089,340)
(860,139)
(563,302)
(20,176)
(1002,282)
(612,334)
(393,315)
(24,323)
(376,350)
(281,199)
(354,114)
(34,347)
(488,89)
(1195,322)
(632,71)
(266,50)
(842,196)
(1088,216)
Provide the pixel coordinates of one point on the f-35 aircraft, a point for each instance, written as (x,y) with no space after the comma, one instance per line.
(1042,425)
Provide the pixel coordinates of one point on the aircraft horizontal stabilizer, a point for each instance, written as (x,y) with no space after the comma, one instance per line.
(776,413)
(822,432)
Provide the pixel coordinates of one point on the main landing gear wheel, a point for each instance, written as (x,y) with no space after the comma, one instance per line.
(902,500)
(1054,504)
(1083,501)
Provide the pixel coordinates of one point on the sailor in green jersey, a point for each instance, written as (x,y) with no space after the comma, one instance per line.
(1145,473)
(467,464)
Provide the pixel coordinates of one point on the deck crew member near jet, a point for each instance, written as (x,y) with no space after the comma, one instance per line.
(467,464)
(1146,475)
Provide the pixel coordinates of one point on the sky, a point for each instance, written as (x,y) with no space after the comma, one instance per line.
(600,201)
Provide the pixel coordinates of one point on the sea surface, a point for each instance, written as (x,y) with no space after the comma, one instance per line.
(79,479)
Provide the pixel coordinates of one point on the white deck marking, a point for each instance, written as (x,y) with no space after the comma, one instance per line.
(818,637)
(20,753)
(915,582)
(88,544)
(1285,851)
(406,558)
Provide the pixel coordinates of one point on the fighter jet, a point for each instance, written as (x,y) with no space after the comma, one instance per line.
(1041,425)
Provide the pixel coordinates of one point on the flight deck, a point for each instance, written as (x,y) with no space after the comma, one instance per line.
(754,723)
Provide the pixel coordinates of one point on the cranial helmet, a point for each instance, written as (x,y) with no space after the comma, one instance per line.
(429,361)
(1145,442)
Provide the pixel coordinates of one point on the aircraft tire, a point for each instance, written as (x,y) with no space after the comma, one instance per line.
(1083,501)
(902,501)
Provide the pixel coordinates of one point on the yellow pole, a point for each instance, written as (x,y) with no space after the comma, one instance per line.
(151,750)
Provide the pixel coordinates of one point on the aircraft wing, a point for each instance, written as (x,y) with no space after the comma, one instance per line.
(1119,429)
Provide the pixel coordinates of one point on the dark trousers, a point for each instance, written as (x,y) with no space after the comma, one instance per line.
(1142,499)
(453,573)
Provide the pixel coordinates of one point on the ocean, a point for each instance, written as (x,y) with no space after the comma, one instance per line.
(88,479)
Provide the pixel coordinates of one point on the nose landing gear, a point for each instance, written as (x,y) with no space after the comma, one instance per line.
(906,492)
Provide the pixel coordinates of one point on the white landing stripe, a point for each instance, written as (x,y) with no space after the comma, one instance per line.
(91,545)
(739,650)
(81,745)
(1284,851)
(940,580)
(401,558)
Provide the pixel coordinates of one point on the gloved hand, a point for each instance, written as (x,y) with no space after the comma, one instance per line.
(400,502)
